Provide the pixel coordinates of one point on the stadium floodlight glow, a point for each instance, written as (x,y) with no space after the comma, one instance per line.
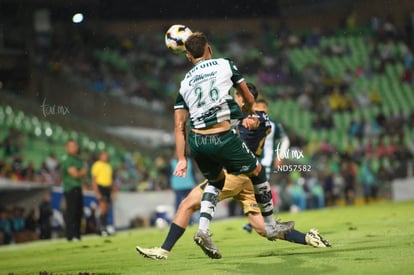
(77,18)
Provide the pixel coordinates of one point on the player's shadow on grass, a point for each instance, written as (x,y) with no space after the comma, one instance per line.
(326,251)
(277,268)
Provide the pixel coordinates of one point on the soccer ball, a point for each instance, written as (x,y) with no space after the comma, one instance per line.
(175,38)
(161,224)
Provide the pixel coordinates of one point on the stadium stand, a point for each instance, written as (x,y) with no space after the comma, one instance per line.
(29,142)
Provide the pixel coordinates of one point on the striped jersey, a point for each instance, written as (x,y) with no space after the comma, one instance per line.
(277,133)
(205,92)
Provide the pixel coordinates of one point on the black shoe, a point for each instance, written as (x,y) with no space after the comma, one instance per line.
(248,227)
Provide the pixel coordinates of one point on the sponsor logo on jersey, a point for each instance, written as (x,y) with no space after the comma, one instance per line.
(209,113)
(245,168)
(201,78)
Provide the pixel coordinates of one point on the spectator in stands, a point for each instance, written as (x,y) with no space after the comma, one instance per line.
(390,31)
(6,226)
(31,221)
(316,191)
(52,163)
(408,61)
(374,97)
(73,174)
(12,143)
(348,78)
(6,170)
(18,219)
(18,225)
(375,127)
(305,97)
(367,178)
(362,99)
(356,129)
(16,172)
(351,21)
(386,54)
(337,101)
(387,146)
(323,121)
(2,165)
(330,196)
(349,173)
(45,216)
(298,195)
(29,173)
(162,164)
(45,175)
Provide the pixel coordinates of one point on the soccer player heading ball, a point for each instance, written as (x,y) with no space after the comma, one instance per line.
(204,98)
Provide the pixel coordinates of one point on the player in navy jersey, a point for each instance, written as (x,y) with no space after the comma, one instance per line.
(267,157)
(255,139)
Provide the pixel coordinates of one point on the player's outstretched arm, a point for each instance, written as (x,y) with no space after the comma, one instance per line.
(180,118)
(247,97)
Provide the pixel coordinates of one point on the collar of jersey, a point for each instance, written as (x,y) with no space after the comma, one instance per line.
(199,61)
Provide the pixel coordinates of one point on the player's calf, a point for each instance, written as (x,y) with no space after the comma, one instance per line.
(278,230)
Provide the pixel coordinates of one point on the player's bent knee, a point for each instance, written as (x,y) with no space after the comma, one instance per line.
(189,204)
(261,231)
(218,182)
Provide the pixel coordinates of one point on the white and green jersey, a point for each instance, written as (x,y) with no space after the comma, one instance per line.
(276,134)
(205,92)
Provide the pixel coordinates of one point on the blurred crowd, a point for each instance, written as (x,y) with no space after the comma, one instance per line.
(134,172)
(335,179)
(18,225)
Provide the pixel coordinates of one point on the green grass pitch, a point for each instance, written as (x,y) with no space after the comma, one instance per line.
(370,239)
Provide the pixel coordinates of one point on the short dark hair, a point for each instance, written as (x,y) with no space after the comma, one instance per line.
(195,44)
(253,90)
(262,101)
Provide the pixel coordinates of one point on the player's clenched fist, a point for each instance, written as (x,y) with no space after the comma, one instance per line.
(251,122)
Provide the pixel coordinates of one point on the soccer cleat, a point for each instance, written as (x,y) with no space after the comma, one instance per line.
(314,239)
(248,228)
(279,230)
(203,240)
(156,253)
(104,233)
